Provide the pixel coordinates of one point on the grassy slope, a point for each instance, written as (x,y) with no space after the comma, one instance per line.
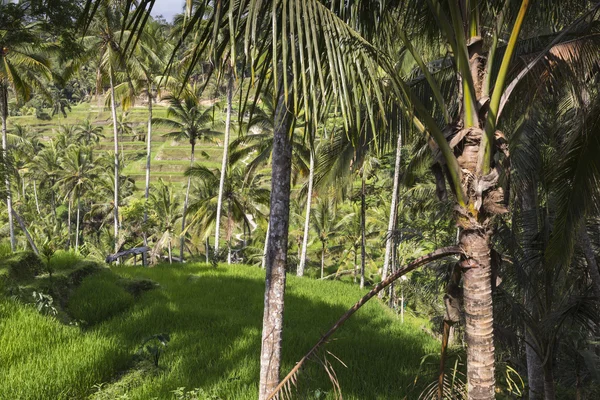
(214,319)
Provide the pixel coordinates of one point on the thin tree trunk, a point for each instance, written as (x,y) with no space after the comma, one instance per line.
(322,259)
(479,332)
(266,247)
(77,223)
(363,239)
(355,266)
(26,232)
(311,173)
(113,106)
(549,389)
(148,160)
(207,250)
(393,209)
(35,196)
(70,206)
(535,371)
(229,231)
(170,253)
(185,206)
(225,157)
(4,115)
(272,330)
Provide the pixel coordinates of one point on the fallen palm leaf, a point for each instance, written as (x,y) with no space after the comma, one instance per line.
(286,384)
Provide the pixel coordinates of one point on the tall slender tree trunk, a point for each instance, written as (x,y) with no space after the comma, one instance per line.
(77,223)
(479,330)
(185,206)
(229,231)
(113,106)
(272,330)
(535,370)
(393,210)
(148,160)
(549,388)
(70,206)
(311,174)
(26,232)
(35,196)
(4,115)
(225,157)
(170,252)
(266,247)
(322,259)
(363,239)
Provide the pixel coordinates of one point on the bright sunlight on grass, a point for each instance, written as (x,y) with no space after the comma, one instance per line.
(213,318)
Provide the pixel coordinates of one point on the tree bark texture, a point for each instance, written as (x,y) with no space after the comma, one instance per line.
(276,260)
(224,159)
(479,330)
(311,173)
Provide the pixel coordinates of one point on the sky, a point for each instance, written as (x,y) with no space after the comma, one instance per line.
(167,8)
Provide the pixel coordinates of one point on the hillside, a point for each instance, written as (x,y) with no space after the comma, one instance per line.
(213,318)
(169,158)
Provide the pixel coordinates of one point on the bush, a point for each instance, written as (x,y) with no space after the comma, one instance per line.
(98,298)
(21,266)
(62,260)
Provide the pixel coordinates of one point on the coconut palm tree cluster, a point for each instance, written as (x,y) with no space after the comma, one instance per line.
(360,141)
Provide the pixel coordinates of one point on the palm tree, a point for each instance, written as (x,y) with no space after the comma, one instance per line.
(77,176)
(188,121)
(103,43)
(326,223)
(88,133)
(22,68)
(243,196)
(164,205)
(461,125)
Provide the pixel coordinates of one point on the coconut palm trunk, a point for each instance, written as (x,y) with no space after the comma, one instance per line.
(479,321)
(311,175)
(77,223)
(69,209)
(35,195)
(535,371)
(322,258)
(113,106)
(363,240)
(148,160)
(224,160)
(393,210)
(185,205)
(4,114)
(276,259)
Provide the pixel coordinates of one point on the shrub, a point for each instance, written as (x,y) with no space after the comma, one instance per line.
(62,260)
(21,266)
(98,298)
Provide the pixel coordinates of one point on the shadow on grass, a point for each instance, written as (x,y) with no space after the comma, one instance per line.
(215,320)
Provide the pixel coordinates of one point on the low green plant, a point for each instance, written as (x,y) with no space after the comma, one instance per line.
(44,303)
(153,347)
(98,298)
